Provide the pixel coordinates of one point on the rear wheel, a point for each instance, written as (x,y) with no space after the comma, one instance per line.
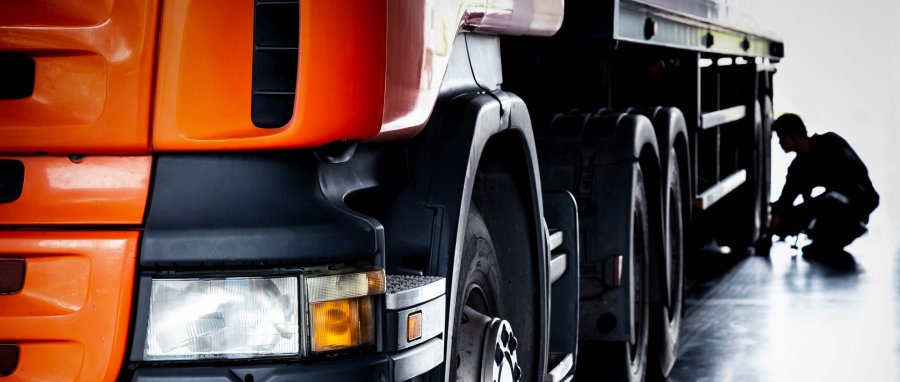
(765,162)
(484,345)
(744,210)
(666,319)
(627,361)
(637,350)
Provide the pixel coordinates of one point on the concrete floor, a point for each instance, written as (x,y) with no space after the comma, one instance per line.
(786,318)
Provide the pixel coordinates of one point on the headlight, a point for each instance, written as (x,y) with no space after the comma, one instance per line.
(341,309)
(237,317)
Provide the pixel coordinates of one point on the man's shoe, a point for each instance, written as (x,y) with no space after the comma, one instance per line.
(819,250)
(829,255)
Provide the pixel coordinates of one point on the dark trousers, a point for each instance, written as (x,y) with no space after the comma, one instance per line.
(825,219)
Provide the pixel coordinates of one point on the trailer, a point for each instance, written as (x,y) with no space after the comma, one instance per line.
(369,189)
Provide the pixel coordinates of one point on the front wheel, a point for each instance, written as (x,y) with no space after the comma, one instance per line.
(484,345)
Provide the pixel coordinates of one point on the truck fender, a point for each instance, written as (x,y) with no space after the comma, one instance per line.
(444,160)
(615,144)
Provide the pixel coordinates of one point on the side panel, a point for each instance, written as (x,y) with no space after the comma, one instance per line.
(93,65)
(71,319)
(205,67)
(93,190)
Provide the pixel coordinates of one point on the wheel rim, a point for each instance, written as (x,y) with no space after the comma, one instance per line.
(487,349)
(676,253)
(639,291)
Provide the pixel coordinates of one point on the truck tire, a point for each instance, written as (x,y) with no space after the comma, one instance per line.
(625,361)
(744,210)
(765,147)
(666,318)
(484,344)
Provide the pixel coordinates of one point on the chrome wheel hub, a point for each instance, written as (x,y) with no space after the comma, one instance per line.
(487,349)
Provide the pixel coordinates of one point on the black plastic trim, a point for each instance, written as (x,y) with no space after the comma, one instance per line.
(561,212)
(16,76)
(370,368)
(9,359)
(12,179)
(256,209)
(276,36)
(12,275)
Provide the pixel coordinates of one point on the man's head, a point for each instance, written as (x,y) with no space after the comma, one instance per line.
(792,135)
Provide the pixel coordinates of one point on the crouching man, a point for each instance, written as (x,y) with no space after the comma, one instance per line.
(836,217)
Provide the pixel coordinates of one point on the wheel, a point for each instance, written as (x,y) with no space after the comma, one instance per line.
(765,148)
(626,361)
(484,346)
(666,320)
(744,210)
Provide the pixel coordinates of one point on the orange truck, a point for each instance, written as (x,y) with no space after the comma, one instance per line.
(389,190)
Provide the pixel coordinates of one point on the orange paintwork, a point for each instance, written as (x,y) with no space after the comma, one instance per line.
(93,75)
(71,318)
(97,190)
(69,13)
(204,76)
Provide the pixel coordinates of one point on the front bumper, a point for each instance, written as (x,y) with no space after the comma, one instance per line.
(399,366)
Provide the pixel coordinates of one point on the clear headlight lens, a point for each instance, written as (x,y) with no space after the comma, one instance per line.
(239,317)
(341,309)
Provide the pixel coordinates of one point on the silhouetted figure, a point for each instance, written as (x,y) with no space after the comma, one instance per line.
(836,217)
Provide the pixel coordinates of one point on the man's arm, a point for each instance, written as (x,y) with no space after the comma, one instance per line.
(795,184)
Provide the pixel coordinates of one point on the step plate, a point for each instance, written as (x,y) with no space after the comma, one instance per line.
(406,291)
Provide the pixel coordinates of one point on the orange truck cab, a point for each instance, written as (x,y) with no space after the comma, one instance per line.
(151,149)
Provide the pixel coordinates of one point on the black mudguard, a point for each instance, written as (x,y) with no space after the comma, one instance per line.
(443,161)
(596,157)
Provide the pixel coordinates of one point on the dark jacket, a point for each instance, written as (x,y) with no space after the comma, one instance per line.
(831,163)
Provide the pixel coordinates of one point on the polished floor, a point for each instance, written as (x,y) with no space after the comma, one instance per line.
(787,318)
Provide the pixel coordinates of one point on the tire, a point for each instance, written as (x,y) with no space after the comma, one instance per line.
(479,291)
(765,147)
(623,361)
(666,321)
(744,210)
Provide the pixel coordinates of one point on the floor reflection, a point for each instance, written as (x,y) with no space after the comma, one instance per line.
(789,318)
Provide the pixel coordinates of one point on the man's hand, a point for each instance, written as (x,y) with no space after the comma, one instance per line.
(764,242)
(774,224)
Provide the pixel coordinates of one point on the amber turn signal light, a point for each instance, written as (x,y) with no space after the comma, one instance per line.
(414,326)
(342,324)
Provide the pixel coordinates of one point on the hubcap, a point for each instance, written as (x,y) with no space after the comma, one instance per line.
(487,349)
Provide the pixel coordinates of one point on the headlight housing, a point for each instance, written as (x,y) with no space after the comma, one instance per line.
(262,316)
(239,317)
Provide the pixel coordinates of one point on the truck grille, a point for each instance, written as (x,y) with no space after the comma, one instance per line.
(276,32)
